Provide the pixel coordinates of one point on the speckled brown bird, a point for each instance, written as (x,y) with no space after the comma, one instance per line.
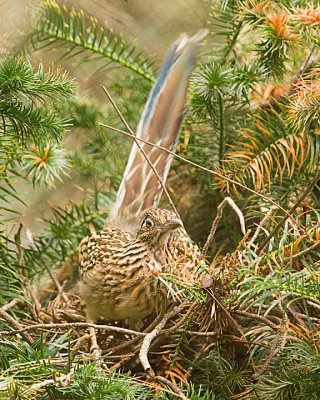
(119,269)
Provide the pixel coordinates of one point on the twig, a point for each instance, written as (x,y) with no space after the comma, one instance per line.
(78,344)
(257,317)
(63,380)
(265,219)
(124,359)
(55,281)
(308,298)
(143,354)
(302,252)
(141,149)
(171,385)
(165,382)
(12,304)
(71,325)
(201,167)
(175,328)
(270,356)
(35,304)
(286,324)
(306,65)
(289,214)
(7,317)
(313,304)
(220,208)
(170,331)
(203,349)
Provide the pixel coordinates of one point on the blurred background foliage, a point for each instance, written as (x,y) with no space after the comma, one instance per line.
(253,116)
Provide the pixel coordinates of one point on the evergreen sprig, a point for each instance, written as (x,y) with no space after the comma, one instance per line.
(45,164)
(78,34)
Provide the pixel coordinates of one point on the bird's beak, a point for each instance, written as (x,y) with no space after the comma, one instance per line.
(172,224)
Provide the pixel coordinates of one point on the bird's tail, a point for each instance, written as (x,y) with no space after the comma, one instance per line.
(160,124)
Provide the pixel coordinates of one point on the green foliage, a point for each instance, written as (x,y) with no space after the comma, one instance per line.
(267,149)
(29,115)
(45,164)
(254,117)
(28,101)
(78,34)
(218,371)
(92,383)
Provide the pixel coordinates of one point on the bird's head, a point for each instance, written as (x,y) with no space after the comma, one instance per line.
(157,224)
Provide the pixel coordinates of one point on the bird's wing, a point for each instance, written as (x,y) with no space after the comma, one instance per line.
(160,124)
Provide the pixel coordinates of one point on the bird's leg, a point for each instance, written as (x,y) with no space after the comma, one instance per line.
(94,348)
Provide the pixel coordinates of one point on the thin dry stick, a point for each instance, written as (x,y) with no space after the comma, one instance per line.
(78,344)
(307,298)
(35,304)
(7,317)
(302,252)
(176,327)
(170,331)
(270,356)
(289,214)
(143,354)
(141,149)
(218,217)
(265,219)
(202,168)
(165,382)
(69,325)
(63,380)
(257,317)
(12,304)
(55,281)
(310,60)
(172,386)
(124,359)
(313,304)
(203,349)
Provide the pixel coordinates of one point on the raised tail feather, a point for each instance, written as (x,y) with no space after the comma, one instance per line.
(160,124)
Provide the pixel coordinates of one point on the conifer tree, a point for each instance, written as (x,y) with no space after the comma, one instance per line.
(252,332)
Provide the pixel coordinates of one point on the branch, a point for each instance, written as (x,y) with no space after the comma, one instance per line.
(270,356)
(165,382)
(289,214)
(7,317)
(310,60)
(257,317)
(172,386)
(302,252)
(216,221)
(55,281)
(63,380)
(143,354)
(170,331)
(70,325)
(149,328)
(262,223)
(201,167)
(12,304)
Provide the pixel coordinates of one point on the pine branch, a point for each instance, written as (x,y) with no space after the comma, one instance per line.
(75,33)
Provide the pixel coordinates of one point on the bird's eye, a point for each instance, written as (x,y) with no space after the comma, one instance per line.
(147,223)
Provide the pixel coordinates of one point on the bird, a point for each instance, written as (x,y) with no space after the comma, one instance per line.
(119,266)
(119,269)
